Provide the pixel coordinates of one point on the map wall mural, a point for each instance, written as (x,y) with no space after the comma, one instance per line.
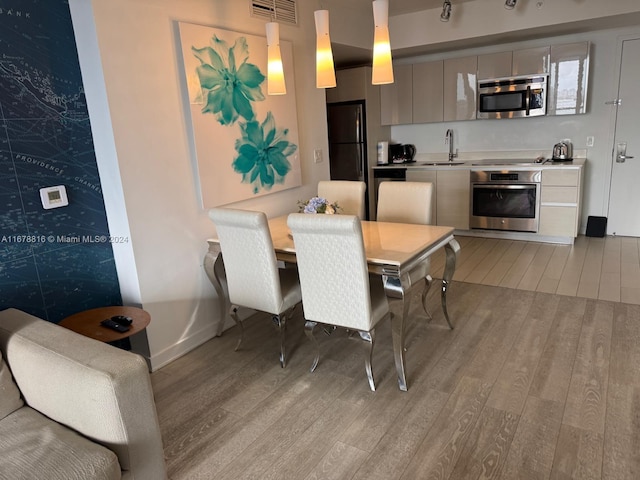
(246,141)
(52,262)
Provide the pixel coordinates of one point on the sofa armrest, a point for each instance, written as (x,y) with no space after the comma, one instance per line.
(96,389)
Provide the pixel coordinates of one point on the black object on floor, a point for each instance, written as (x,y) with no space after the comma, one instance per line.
(596,226)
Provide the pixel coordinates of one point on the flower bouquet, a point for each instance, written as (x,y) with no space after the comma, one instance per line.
(318,205)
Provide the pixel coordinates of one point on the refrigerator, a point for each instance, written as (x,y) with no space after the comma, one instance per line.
(348,143)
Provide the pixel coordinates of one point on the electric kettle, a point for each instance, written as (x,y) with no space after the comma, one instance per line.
(562,151)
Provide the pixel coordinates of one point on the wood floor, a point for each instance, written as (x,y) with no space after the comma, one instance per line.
(529,385)
(605,268)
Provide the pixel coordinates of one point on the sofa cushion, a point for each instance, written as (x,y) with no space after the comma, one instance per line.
(10,400)
(32,446)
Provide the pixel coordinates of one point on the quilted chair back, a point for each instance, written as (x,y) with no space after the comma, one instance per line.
(332,266)
(347,193)
(249,259)
(405,202)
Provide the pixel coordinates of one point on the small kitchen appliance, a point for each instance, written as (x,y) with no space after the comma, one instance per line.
(402,153)
(562,151)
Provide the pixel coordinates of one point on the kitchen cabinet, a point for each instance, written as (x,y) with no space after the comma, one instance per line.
(494,65)
(396,99)
(561,191)
(351,84)
(428,91)
(513,63)
(460,88)
(568,75)
(530,60)
(451,195)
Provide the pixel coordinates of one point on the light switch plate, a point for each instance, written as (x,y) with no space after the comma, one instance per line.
(54,197)
(590,141)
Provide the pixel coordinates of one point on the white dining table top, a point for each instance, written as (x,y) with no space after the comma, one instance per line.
(385,243)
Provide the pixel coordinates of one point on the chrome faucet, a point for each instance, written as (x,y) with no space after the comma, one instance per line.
(448,138)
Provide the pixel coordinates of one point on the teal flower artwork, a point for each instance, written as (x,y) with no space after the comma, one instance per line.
(262,153)
(229,83)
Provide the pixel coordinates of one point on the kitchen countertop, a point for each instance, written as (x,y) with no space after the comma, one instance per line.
(487,161)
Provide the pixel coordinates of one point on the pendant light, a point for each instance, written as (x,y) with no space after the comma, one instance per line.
(325,71)
(275,71)
(382,66)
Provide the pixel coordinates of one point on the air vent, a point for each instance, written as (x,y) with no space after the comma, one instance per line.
(276,10)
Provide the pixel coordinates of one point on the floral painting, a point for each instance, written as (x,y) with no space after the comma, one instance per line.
(245,142)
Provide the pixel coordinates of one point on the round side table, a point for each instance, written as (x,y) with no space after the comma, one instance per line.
(87,323)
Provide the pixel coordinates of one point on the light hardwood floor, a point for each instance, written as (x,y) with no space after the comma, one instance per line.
(529,385)
(604,268)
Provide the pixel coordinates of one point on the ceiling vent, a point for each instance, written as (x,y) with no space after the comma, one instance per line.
(283,11)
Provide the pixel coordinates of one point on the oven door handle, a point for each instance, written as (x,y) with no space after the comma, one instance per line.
(528,186)
(527,101)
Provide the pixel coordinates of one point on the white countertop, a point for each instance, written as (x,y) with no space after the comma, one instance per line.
(487,161)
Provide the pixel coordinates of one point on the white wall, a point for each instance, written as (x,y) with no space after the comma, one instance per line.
(542,133)
(143,99)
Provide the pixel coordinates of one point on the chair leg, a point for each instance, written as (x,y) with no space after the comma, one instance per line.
(234,314)
(308,330)
(281,323)
(369,339)
(427,285)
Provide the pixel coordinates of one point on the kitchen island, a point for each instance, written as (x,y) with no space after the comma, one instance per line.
(558,194)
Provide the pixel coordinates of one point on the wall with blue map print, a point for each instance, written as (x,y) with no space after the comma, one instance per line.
(52,262)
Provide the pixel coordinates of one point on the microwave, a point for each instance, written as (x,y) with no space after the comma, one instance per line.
(513,97)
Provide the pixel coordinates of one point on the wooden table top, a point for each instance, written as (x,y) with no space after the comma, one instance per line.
(87,323)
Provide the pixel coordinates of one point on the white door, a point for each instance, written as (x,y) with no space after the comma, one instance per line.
(624,196)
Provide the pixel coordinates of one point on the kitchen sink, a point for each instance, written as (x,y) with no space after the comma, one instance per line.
(504,164)
(435,164)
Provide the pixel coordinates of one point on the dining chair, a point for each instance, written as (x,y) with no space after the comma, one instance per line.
(337,289)
(253,277)
(348,194)
(409,202)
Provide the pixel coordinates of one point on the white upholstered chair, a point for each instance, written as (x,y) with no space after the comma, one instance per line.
(337,288)
(348,194)
(408,202)
(253,277)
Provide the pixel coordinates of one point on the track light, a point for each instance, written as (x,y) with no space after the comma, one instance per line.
(446,11)
(510,4)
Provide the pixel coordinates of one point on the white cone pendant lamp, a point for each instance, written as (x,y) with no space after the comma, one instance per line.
(382,65)
(275,71)
(325,71)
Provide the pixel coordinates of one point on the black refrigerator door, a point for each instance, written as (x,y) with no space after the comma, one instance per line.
(345,122)
(346,161)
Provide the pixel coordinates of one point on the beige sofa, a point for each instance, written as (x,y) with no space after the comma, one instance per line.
(72,407)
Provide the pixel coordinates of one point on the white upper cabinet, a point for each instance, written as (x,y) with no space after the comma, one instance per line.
(396,99)
(530,60)
(460,87)
(568,75)
(494,65)
(428,103)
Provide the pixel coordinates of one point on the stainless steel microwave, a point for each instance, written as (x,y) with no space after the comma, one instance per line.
(513,97)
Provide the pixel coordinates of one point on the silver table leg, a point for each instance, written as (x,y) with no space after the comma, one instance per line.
(214,268)
(396,288)
(451,249)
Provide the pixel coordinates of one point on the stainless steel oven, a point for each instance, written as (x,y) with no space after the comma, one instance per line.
(505,200)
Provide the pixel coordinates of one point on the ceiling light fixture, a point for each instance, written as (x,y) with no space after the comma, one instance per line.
(446,11)
(382,72)
(325,71)
(275,71)
(510,4)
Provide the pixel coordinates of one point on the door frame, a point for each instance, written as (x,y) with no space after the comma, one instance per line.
(613,117)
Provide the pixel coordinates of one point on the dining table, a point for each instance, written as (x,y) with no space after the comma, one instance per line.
(393,251)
